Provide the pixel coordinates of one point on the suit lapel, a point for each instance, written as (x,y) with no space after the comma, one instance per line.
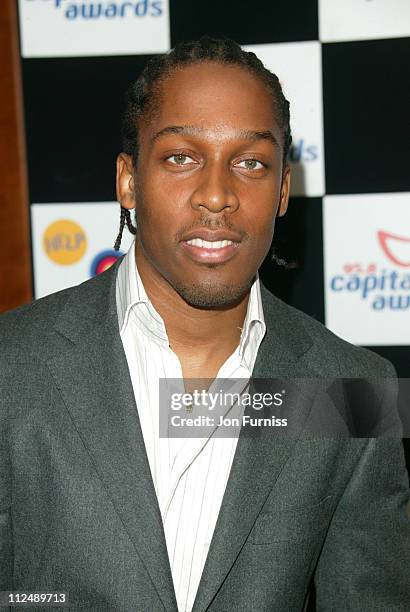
(93,377)
(259,459)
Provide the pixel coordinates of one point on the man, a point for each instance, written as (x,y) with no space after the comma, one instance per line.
(92,501)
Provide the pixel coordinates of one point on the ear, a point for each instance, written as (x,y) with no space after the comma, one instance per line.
(125,181)
(284,191)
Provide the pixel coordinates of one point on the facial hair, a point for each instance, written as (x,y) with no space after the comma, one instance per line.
(208,296)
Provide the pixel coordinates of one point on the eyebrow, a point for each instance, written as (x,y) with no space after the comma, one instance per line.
(191,130)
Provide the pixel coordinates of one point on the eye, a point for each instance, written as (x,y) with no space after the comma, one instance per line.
(251,164)
(180,159)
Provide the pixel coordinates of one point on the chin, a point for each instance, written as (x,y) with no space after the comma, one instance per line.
(213,296)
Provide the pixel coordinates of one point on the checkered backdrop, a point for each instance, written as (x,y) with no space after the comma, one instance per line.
(344,67)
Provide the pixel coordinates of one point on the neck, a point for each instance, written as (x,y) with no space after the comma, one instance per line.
(202,331)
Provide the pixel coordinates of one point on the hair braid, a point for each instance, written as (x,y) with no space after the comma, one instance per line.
(125,218)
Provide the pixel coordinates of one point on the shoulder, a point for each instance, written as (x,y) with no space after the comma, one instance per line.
(34,319)
(328,354)
(28,332)
(25,331)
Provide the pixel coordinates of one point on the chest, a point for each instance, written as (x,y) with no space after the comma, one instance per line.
(192,368)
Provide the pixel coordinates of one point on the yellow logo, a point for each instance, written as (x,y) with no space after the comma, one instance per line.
(64,242)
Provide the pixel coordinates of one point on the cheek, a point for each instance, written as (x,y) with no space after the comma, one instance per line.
(161,185)
(259,204)
(156,230)
(260,220)
(264,240)
(261,231)
(157,226)
(163,203)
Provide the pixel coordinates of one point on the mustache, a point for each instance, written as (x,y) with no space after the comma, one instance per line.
(205,222)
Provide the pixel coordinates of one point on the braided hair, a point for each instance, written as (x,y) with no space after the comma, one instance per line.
(125,218)
(142,97)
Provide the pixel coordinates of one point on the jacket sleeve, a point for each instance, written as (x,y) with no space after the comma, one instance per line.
(364,565)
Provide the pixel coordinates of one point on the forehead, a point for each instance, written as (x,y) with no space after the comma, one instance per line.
(214,96)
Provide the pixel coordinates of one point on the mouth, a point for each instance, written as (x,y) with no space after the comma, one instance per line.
(210,251)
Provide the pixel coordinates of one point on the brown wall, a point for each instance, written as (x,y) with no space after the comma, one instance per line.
(15,253)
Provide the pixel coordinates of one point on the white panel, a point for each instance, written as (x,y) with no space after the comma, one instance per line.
(63,254)
(341,20)
(367,267)
(57,28)
(299,69)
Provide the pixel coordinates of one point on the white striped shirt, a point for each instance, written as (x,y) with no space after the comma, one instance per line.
(189,475)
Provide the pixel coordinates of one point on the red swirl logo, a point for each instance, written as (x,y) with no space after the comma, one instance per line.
(389,243)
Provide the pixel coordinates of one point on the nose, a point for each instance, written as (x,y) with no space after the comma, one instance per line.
(215,191)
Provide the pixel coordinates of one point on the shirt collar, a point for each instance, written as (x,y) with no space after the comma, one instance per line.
(131,297)
(254,327)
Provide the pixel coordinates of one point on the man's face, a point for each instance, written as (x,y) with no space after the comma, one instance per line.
(209,171)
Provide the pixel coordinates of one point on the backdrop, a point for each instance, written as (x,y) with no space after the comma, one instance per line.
(344,67)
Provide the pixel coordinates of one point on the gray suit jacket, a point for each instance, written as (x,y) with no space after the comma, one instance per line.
(78,510)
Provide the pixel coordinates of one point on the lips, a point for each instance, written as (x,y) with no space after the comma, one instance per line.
(212,235)
(211,246)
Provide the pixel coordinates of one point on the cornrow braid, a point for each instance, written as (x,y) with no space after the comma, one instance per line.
(125,218)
